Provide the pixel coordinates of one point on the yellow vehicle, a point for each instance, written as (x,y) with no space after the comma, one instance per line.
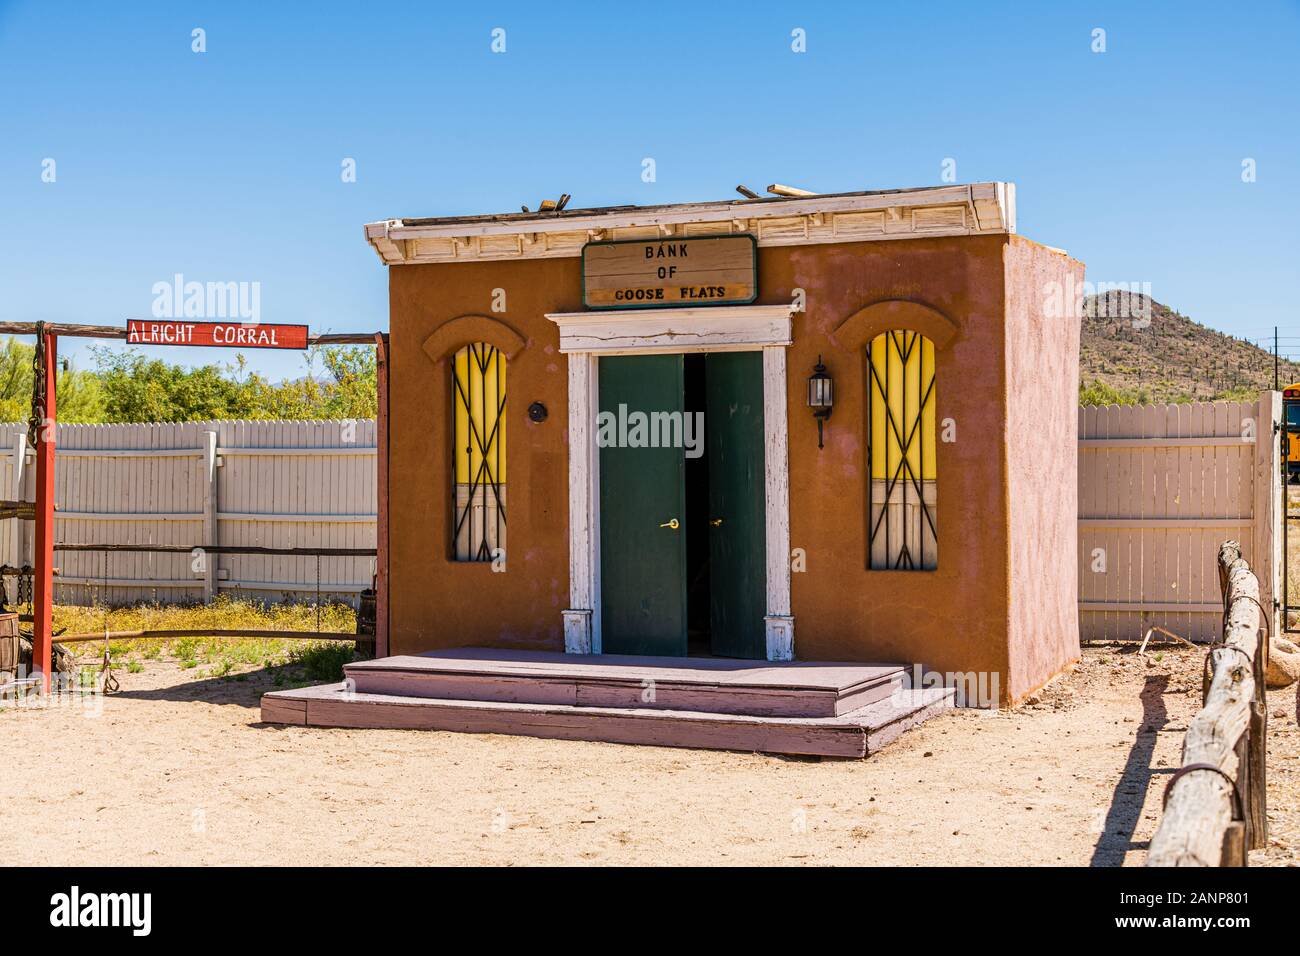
(1291,424)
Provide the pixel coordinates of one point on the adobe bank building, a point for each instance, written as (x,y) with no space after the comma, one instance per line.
(822,428)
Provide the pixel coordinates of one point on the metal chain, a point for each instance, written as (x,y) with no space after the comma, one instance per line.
(37,420)
(108,683)
(1238,811)
(107,679)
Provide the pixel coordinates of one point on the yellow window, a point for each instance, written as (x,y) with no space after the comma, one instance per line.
(901,449)
(478,439)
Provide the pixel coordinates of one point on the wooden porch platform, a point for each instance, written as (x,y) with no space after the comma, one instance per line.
(827,709)
(713,684)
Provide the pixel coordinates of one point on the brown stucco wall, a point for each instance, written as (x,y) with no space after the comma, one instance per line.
(957,618)
(436,602)
(1042,357)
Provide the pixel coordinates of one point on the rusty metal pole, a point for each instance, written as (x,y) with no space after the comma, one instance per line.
(43,585)
(381,509)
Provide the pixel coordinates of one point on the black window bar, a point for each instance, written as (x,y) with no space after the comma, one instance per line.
(477,426)
(903,488)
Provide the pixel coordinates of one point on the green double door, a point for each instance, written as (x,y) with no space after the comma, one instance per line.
(643,504)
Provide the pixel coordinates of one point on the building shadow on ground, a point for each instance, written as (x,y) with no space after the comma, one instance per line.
(244,689)
(1129,796)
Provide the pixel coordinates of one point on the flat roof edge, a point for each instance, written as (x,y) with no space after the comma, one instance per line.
(931,210)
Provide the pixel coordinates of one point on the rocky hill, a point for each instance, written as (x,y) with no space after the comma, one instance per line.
(1135,349)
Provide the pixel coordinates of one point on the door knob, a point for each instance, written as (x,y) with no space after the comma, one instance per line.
(716,522)
(671,523)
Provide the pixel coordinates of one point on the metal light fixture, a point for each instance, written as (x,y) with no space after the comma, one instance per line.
(821,396)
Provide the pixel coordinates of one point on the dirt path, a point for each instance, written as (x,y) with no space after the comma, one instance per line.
(176,770)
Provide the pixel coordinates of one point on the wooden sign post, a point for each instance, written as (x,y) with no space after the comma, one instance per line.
(657,273)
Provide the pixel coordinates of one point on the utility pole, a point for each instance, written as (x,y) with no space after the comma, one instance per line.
(1275,358)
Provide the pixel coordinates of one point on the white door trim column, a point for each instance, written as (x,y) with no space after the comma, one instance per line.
(776,473)
(582,617)
(584,337)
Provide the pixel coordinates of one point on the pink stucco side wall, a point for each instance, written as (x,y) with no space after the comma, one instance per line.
(1042,362)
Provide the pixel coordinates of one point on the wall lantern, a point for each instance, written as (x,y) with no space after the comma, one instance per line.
(821,396)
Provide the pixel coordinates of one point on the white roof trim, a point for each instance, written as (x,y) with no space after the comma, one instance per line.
(688,329)
(976,209)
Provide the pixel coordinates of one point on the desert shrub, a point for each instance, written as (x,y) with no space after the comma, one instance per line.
(323,661)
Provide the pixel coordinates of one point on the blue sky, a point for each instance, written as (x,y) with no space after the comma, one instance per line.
(225,165)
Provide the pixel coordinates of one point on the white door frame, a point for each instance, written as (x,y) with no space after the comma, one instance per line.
(584,337)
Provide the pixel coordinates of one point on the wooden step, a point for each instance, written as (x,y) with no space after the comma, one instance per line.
(856,734)
(704,684)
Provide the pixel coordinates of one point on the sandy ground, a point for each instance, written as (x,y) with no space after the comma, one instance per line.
(179,770)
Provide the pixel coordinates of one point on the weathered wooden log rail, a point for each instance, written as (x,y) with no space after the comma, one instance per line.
(1215,804)
(171,634)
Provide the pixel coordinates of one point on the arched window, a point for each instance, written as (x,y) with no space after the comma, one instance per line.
(901,450)
(478,440)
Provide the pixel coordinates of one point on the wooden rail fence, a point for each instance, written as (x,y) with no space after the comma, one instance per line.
(1215,804)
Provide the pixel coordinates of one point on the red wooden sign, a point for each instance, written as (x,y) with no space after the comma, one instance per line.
(219,334)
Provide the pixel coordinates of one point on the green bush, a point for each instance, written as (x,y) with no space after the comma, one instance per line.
(323,661)
(1099,393)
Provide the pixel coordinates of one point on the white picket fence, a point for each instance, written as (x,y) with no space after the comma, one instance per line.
(263,483)
(1160,488)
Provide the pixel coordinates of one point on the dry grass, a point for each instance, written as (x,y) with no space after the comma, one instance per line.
(290,662)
